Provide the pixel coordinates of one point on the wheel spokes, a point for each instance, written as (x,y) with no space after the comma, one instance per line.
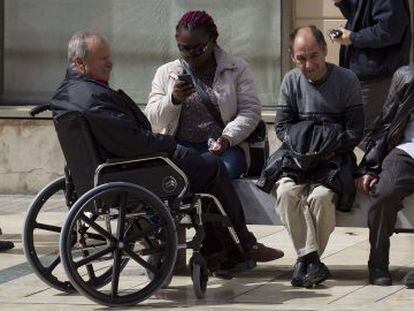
(140,261)
(94,256)
(54,264)
(91,273)
(97,228)
(95,236)
(139,236)
(121,217)
(47,227)
(115,273)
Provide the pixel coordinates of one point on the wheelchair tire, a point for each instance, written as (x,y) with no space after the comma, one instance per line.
(199,275)
(140,218)
(44,265)
(155,260)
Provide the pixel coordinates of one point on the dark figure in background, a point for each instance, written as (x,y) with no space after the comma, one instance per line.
(375,43)
(121,130)
(387,172)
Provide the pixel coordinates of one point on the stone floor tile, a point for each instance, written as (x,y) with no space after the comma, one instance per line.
(267,287)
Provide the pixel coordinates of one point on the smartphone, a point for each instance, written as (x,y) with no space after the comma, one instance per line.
(335,33)
(186,78)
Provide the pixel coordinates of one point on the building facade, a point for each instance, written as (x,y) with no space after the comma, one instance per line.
(141,32)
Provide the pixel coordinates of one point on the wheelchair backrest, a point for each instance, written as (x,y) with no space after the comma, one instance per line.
(153,172)
(78,148)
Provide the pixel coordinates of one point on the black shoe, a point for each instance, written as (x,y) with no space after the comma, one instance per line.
(380,276)
(315,273)
(225,265)
(408,280)
(6,245)
(299,272)
(261,253)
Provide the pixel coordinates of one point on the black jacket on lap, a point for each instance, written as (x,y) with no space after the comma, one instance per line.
(390,126)
(307,157)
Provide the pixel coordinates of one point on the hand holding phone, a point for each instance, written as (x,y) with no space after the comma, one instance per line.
(334,34)
(186,78)
(341,36)
(183,88)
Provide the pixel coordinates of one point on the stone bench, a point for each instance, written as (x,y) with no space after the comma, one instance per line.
(259,208)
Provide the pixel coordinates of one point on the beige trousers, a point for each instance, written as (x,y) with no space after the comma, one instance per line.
(309,218)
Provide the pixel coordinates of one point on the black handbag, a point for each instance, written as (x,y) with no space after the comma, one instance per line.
(258,149)
(259,133)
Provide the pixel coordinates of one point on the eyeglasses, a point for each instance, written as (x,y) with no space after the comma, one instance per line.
(194,51)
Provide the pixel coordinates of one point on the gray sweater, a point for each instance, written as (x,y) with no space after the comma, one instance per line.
(336,99)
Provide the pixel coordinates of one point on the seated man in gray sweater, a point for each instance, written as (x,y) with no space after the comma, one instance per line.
(319,120)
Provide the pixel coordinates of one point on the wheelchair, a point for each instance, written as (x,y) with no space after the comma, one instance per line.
(117,244)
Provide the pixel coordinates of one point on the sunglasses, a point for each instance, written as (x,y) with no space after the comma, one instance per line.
(196,51)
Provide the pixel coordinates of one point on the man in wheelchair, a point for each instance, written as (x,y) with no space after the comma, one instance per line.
(120,130)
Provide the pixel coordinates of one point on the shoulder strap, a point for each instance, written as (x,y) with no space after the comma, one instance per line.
(203,94)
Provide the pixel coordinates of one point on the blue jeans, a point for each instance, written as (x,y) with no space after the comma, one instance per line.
(233,159)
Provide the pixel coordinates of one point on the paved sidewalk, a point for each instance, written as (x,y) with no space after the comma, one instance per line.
(265,288)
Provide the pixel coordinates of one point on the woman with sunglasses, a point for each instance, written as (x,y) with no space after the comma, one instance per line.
(207,98)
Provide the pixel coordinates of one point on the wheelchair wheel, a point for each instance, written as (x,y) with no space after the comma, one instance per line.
(136,226)
(199,275)
(41,235)
(155,260)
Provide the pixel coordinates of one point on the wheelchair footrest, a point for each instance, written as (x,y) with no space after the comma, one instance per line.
(224,220)
(243,266)
(237,268)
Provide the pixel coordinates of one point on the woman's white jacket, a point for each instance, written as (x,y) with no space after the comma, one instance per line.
(234,87)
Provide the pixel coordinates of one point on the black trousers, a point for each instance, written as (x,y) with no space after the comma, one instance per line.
(373,92)
(396,181)
(206,173)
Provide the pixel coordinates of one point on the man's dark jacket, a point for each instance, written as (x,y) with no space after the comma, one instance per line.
(389,128)
(381,37)
(118,127)
(313,167)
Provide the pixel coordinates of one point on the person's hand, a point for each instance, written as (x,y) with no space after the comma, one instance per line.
(222,144)
(345,39)
(365,183)
(181,91)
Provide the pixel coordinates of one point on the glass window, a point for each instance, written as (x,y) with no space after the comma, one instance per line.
(141,36)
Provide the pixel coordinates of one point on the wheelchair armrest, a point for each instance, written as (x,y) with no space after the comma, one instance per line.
(139,158)
(155,173)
